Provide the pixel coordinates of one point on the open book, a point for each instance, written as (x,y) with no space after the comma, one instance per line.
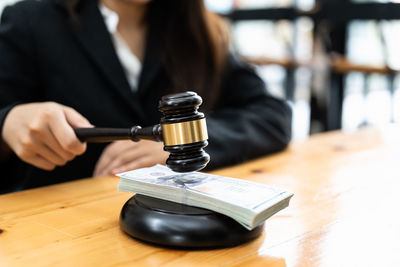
(246,202)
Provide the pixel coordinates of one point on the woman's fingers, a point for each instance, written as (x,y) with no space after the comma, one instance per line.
(75,119)
(63,131)
(46,153)
(123,155)
(42,163)
(45,138)
(113,154)
(132,165)
(120,159)
(55,146)
(38,156)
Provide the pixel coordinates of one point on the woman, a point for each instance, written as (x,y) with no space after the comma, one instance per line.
(66,64)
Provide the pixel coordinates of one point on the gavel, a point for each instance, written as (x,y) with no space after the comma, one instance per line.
(182,128)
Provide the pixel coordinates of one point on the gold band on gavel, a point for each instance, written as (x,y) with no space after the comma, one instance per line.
(184,132)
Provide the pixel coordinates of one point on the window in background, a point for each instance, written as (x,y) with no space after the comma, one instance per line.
(396,100)
(263,38)
(244,4)
(305,4)
(369,99)
(247,4)
(281,42)
(220,6)
(372,99)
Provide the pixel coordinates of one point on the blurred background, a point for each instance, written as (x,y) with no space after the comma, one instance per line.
(336,62)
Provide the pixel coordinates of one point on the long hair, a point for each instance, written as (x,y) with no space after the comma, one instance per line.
(193,45)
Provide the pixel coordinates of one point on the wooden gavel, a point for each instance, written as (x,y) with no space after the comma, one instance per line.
(182,129)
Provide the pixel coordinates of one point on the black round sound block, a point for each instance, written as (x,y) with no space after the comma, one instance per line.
(172,224)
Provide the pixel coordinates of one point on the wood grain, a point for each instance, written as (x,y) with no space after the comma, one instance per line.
(343,213)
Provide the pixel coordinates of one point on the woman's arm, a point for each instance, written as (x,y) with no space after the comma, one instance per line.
(39,133)
(18,69)
(16,75)
(249,122)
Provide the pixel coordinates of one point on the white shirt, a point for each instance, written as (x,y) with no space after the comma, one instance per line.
(129,61)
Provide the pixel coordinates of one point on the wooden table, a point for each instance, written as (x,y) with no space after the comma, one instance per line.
(345,212)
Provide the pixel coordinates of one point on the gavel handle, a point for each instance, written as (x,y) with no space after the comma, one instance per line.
(104,135)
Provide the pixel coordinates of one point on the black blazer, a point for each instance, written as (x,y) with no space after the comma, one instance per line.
(44,56)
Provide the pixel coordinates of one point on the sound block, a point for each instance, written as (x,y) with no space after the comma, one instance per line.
(171,224)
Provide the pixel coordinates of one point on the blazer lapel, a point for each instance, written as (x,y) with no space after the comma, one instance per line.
(92,34)
(152,59)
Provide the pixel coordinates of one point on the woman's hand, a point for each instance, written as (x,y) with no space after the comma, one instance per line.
(122,156)
(41,133)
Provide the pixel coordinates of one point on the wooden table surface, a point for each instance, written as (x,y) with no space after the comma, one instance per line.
(345,212)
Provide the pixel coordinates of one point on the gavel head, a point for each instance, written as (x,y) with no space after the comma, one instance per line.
(184,131)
